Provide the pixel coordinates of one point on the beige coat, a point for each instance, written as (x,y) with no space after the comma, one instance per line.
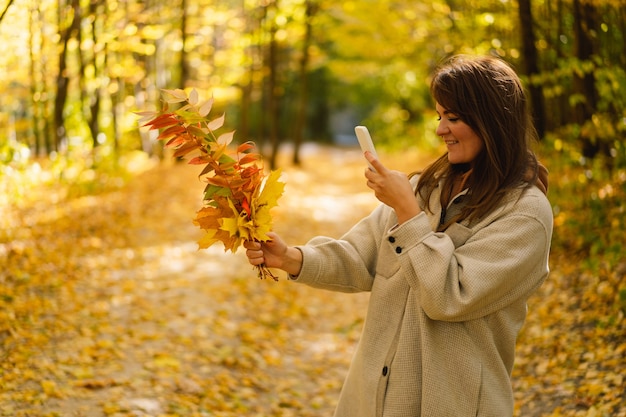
(445,308)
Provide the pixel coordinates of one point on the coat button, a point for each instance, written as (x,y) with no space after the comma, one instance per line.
(385,370)
(392,239)
(398,249)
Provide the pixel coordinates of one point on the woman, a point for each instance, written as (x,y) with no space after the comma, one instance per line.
(450,257)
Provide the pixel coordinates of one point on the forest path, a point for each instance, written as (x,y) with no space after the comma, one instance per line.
(107,308)
(114,311)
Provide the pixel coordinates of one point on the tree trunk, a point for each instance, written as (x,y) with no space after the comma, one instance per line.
(184,64)
(62,76)
(584,84)
(6,9)
(272,87)
(529,51)
(301,116)
(94,99)
(35,91)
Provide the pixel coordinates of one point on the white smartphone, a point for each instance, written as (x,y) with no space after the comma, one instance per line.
(365,140)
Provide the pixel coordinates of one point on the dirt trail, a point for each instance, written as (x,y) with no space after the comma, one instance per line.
(107,308)
(132,320)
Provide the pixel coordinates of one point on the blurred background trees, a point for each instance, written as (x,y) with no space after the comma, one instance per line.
(73,71)
(292,71)
(286,72)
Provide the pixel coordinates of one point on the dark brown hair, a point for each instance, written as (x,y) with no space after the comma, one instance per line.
(486,94)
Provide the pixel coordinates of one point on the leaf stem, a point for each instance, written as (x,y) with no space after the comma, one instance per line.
(264,272)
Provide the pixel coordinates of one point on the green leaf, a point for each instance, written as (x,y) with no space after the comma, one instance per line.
(213,190)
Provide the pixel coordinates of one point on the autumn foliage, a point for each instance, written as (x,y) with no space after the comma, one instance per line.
(238,196)
(107,309)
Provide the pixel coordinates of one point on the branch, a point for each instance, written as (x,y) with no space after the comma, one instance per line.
(6,9)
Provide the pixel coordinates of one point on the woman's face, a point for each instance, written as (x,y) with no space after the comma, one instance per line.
(462,142)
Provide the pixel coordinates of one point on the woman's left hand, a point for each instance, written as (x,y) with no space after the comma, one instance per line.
(392,188)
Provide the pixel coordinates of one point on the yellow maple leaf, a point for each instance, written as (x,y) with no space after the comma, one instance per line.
(208,239)
(237,224)
(272,190)
(262,223)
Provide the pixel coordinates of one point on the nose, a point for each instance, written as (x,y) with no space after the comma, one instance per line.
(442,128)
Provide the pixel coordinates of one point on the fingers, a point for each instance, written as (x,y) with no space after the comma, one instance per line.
(254,252)
(267,252)
(255,257)
(251,244)
(378,166)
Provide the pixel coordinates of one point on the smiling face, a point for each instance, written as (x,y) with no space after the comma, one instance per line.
(462,142)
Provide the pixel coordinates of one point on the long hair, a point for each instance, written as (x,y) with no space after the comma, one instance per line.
(486,94)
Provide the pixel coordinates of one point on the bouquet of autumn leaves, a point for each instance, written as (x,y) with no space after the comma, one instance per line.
(238,195)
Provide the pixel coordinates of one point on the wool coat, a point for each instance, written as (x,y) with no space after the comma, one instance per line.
(445,307)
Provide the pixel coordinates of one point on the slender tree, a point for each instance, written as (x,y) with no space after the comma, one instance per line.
(35,86)
(303,97)
(6,9)
(531,61)
(271,64)
(94,98)
(584,82)
(63,78)
(184,63)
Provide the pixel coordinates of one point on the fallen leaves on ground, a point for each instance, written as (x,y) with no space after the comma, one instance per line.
(107,308)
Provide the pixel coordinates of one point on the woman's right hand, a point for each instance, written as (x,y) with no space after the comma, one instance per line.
(274,254)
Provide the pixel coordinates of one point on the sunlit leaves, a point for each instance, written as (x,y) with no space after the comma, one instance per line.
(238,197)
(94,310)
(175,96)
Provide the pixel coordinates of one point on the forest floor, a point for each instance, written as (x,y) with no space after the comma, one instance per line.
(107,308)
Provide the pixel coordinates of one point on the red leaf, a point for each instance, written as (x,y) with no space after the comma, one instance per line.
(218,180)
(250,171)
(198,160)
(160,122)
(175,130)
(249,158)
(245,146)
(175,142)
(185,149)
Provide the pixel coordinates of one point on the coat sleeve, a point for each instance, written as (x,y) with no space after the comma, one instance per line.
(347,264)
(467,274)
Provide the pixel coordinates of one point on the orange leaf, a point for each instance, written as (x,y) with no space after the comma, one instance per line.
(219,181)
(249,158)
(198,160)
(185,149)
(245,146)
(175,130)
(250,171)
(175,142)
(162,121)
